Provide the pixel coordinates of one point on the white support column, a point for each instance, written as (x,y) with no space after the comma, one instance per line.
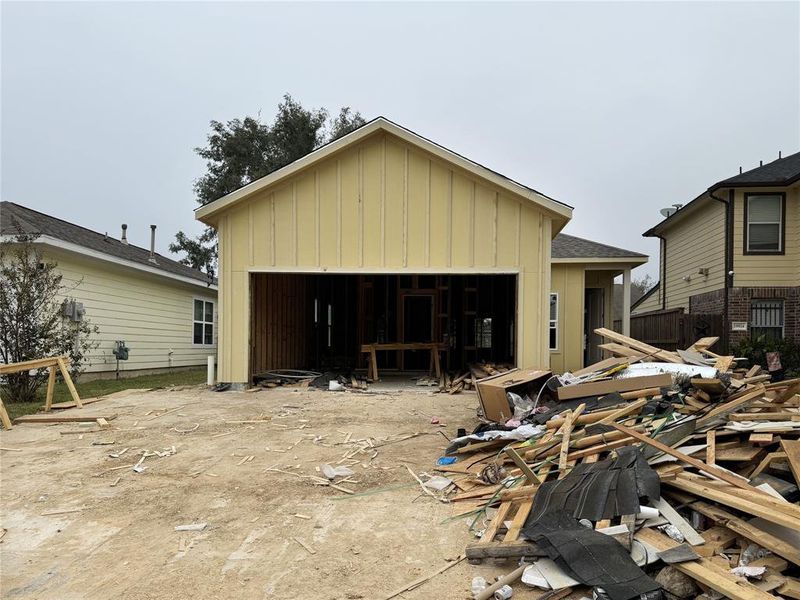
(626,301)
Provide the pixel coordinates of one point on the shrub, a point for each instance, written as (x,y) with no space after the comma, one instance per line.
(755,350)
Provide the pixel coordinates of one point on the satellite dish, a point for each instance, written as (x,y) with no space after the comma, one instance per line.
(668,212)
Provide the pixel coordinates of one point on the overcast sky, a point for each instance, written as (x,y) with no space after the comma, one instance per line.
(618,109)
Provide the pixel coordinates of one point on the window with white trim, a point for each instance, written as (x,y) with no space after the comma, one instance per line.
(764,223)
(553,321)
(766,319)
(203,325)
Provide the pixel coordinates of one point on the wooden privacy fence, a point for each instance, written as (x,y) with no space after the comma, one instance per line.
(672,329)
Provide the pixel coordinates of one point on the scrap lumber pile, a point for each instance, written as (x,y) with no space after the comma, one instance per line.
(454,383)
(651,474)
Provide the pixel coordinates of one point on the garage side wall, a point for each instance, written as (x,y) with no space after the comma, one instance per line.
(383,206)
(568,283)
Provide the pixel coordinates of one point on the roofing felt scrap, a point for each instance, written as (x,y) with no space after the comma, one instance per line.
(588,556)
(601,490)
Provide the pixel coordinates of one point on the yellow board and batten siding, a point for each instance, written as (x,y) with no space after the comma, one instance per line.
(152,314)
(383,205)
(568,281)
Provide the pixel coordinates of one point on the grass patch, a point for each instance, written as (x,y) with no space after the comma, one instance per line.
(101,387)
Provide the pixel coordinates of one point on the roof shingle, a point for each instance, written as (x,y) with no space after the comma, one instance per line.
(15,218)
(782,171)
(569,246)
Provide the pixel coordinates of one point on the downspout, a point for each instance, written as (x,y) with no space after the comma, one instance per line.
(728,261)
(662,270)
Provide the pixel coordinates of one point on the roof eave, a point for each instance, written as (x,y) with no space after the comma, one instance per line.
(60,244)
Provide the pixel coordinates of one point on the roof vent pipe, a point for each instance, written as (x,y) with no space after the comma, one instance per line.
(124,238)
(779,154)
(152,258)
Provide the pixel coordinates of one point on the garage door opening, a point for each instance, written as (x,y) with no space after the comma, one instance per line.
(320,322)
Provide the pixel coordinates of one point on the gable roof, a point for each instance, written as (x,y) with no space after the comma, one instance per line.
(646,295)
(781,172)
(568,247)
(206,213)
(15,218)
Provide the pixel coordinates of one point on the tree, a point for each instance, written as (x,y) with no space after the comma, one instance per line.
(32,297)
(243,150)
(640,286)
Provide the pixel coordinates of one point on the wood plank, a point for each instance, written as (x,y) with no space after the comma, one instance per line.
(516,549)
(753,507)
(27,365)
(746,530)
(732,404)
(715,471)
(62,364)
(672,515)
(4,419)
(52,418)
(711,447)
(792,450)
(496,524)
(566,432)
(600,388)
(51,385)
(787,393)
(637,345)
(523,510)
(523,466)
(706,571)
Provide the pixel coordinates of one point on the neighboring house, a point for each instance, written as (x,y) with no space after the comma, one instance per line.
(735,251)
(164,311)
(385,236)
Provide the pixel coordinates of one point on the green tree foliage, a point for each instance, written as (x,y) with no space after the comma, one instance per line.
(31,317)
(243,150)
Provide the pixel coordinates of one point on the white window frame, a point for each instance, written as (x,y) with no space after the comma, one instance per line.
(779,223)
(213,322)
(553,323)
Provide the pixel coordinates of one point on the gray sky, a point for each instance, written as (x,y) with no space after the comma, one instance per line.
(618,109)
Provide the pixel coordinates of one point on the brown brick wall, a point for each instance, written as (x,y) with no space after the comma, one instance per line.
(739,307)
(710,303)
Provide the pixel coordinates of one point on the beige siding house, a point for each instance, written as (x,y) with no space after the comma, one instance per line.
(735,251)
(384,237)
(164,311)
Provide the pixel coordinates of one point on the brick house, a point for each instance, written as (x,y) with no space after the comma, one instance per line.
(735,251)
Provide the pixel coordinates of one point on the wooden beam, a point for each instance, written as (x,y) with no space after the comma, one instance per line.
(520,462)
(566,432)
(62,363)
(51,385)
(746,530)
(711,447)
(732,404)
(699,464)
(792,450)
(27,365)
(637,345)
(62,419)
(706,571)
(4,418)
(753,507)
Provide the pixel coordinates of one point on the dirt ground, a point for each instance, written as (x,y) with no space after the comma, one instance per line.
(122,542)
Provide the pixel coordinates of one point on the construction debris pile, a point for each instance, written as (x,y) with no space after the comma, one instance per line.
(651,474)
